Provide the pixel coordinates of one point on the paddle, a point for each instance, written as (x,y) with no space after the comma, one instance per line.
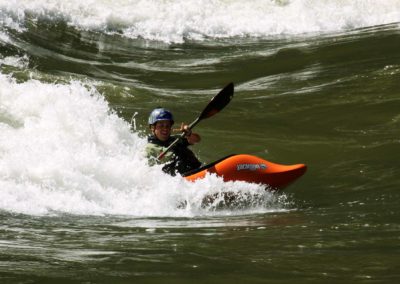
(216,104)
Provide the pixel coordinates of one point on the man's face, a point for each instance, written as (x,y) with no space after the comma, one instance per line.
(162,129)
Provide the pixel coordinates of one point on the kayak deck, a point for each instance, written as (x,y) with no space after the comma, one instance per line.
(252,169)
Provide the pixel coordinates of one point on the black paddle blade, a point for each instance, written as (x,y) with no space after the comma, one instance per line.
(218,102)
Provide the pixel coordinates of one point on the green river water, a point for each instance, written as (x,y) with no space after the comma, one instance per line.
(330,100)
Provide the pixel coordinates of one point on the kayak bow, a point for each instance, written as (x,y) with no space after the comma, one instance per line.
(252,169)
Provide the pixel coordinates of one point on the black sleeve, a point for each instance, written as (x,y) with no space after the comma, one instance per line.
(183,142)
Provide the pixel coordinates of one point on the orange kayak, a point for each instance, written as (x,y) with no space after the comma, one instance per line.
(252,169)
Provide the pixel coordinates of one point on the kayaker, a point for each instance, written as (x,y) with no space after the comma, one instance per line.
(180,158)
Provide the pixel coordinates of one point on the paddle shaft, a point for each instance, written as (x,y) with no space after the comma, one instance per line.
(216,104)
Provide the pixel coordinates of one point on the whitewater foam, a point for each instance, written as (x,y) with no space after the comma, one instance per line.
(15,61)
(178,20)
(62,150)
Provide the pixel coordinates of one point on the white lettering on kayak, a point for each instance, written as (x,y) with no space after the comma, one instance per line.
(250,167)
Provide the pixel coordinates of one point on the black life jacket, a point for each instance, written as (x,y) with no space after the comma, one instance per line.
(184,159)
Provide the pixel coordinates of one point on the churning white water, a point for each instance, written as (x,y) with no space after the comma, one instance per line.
(62,150)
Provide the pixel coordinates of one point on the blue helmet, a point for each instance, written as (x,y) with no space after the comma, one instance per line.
(160,114)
